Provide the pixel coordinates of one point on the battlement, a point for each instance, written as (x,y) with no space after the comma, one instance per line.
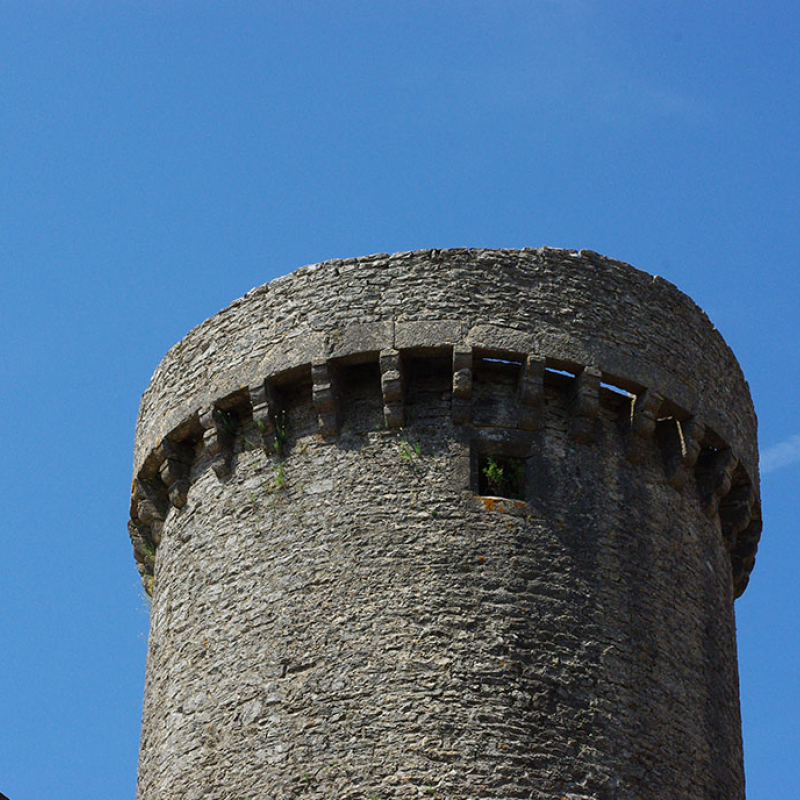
(596,319)
(574,307)
(489,383)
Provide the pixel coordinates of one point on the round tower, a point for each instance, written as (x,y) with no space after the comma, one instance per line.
(450,524)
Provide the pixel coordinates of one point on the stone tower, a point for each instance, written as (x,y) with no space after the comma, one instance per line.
(457,524)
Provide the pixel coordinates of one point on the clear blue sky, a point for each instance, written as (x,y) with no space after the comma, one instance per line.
(158,159)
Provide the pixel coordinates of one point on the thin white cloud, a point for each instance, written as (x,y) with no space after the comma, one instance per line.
(781,454)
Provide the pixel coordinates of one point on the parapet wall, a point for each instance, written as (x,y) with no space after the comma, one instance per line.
(575,320)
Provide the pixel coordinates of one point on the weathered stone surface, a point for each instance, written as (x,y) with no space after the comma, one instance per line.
(325,392)
(630,324)
(585,404)
(359,339)
(531,392)
(681,442)
(392,388)
(642,426)
(428,334)
(462,384)
(338,614)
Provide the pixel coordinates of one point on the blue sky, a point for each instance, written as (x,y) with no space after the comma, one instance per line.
(157,160)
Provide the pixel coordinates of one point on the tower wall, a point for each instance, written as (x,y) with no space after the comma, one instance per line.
(343,607)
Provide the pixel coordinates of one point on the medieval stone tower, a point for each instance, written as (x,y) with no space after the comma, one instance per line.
(458,524)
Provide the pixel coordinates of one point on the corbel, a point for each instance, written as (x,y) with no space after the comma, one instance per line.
(743,557)
(325,397)
(392,388)
(714,478)
(531,393)
(585,405)
(174,470)
(262,398)
(462,385)
(217,441)
(681,444)
(735,511)
(642,427)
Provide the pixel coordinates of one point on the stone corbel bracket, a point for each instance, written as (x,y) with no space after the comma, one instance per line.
(531,392)
(462,385)
(392,388)
(681,444)
(265,407)
(174,470)
(326,397)
(585,404)
(644,416)
(655,423)
(219,432)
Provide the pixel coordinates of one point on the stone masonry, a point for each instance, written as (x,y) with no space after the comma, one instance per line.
(457,524)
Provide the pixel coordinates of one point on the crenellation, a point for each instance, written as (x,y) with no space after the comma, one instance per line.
(679,442)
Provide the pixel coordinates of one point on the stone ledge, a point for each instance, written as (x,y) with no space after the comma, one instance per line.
(163,478)
(579,308)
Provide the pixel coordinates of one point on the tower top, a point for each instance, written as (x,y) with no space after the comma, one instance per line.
(457,522)
(571,307)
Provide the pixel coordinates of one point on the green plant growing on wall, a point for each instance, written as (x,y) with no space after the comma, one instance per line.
(146,596)
(281,436)
(279,479)
(149,549)
(409,452)
(277,482)
(228,421)
(506,479)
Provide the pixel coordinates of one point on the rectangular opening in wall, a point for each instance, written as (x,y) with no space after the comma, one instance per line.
(560,379)
(494,391)
(509,361)
(618,400)
(551,371)
(429,387)
(294,405)
(361,398)
(616,389)
(501,476)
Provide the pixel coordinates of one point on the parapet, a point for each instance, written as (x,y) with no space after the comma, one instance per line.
(600,330)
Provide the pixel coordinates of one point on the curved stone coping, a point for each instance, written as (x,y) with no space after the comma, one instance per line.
(688,445)
(572,308)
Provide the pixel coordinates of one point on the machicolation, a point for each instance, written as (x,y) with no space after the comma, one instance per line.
(459,524)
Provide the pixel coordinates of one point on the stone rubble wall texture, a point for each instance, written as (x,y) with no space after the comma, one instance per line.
(339,613)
